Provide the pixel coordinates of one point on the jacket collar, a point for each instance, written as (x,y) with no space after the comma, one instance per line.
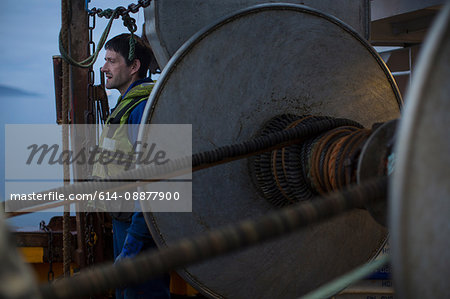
(136,83)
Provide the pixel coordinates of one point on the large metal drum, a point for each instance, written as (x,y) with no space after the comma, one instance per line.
(170,23)
(227,81)
(420,197)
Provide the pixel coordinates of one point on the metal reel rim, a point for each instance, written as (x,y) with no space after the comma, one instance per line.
(186,48)
(201,34)
(398,211)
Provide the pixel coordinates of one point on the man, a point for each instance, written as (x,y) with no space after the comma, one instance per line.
(130,232)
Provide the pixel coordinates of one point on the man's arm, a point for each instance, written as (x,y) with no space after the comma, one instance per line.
(138,237)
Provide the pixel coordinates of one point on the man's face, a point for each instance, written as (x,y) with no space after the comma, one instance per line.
(118,74)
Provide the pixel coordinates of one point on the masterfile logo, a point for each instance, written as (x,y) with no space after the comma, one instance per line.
(35,158)
(54,154)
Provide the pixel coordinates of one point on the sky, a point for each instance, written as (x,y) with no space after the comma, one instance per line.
(29,38)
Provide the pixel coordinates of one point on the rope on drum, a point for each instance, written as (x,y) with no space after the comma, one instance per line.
(319,164)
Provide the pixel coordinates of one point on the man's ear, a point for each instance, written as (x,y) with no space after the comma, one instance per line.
(135,66)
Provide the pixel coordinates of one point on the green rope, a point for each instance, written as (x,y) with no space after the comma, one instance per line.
(130,23)
(337,285)
(88,62)
(110,14)
(132,45)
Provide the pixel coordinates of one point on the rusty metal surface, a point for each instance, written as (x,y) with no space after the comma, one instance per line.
(169,23)
(227,81)
(57,78)
(420,199)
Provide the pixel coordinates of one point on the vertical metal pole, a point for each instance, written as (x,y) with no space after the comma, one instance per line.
(79,38)
(78,28)
(80,137)
(57,77)
(65,137)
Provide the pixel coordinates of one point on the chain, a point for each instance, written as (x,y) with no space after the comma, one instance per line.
(96,94)
(90,117)
(133,8)
(102,101)
(90,238)
(128,21)
(111,14)
(42,226)
(96,98)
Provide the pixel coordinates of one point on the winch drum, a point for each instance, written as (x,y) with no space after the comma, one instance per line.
(227,81)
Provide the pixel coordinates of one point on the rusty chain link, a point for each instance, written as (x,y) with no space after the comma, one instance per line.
(90,117)
(111,14)
(90,238)
(46,228)
(133,8)
(128,21)
(96,95)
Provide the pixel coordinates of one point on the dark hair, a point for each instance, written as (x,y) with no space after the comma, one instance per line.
(121,45)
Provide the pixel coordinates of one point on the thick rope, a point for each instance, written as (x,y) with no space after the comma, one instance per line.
(130,23)
(110,14)
(88,62)
(299,172)
(65,138)
(334,158)
(176,167)
(215,243)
